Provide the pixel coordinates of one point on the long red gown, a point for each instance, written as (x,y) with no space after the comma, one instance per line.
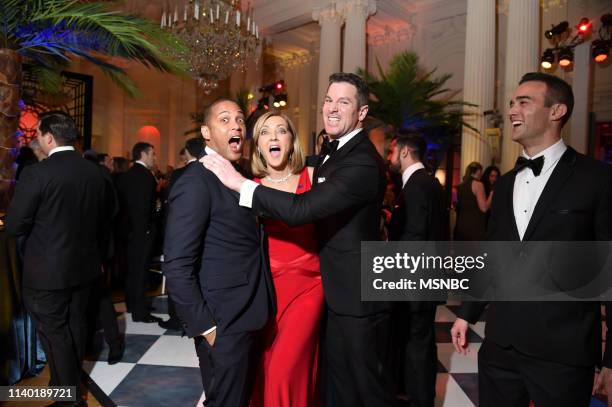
(288,374)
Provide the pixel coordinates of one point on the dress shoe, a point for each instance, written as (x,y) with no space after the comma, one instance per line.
(115,352)
(147,319)
(171,324)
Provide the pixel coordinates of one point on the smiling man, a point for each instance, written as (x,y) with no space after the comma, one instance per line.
(545,352)
(214,266)
(344,203)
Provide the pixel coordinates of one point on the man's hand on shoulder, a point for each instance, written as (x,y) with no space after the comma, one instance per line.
(224,170)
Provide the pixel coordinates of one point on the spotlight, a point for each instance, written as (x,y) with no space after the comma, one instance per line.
(279,85)
(548,59)
(566,55)
(584,26)
(280,100)
(556,30)
(600,50)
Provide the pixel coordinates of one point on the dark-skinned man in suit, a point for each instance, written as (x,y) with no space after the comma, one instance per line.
(543,351)
(217,275)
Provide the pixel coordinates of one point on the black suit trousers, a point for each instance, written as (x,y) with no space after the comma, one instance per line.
(61,323)
(140,250)
(358,356)
(508,378)
(418,352)
(228,368)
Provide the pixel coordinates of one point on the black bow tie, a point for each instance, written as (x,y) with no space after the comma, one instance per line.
(536,164)
(328,147)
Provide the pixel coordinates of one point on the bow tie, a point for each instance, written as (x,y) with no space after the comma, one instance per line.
(536,164)
(328,147)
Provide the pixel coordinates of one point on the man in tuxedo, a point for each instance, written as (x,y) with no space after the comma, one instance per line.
(137,192)
(344,203)
(62,207)
(418,216)
(194,148)
(543,351)
(217,277)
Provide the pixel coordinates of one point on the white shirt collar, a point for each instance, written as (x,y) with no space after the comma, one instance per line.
(192,160)
(210,151)
(143,164)
(409,171)
(347,137)
(62,148)
(551,154)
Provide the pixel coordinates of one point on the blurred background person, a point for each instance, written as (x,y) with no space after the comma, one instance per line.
(472,205)
(138,196)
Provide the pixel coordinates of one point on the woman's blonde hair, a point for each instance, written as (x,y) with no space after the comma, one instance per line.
(296,156)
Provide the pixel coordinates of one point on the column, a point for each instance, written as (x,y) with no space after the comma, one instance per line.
(356,13)
(478,80)
(330,21)
(522,56)
(579,123)
(303,125)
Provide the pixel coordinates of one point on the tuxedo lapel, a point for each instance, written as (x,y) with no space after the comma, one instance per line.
(509,207)
(561,173)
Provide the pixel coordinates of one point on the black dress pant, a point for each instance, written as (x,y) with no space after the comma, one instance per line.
(358,356)
(61,323)
(418,352)
(509,378)
(102,310)
(228,368)
(140,250)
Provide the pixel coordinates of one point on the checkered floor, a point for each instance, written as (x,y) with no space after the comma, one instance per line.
(160,367)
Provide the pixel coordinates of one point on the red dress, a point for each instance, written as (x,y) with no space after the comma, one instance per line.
(288,373)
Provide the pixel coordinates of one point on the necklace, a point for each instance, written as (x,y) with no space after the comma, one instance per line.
(279,180)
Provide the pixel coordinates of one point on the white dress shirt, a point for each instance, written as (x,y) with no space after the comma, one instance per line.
(528,187)
(409,171)
(142,163)
(247,189)
(62,148)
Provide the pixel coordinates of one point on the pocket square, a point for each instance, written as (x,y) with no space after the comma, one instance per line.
(320,180)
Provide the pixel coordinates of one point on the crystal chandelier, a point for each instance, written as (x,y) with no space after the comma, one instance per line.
(220,39)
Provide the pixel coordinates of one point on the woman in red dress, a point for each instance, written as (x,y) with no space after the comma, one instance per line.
(288,374)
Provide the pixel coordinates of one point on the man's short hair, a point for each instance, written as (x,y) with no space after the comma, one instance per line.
(557,91)
(140,148)
(102,157)
(363,93)
(415,142)
(60,125)
(195,146)
(208,110)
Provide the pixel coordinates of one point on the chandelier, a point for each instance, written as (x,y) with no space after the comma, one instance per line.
(219,37)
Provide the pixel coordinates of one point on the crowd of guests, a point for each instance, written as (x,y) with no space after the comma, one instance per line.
(263,262)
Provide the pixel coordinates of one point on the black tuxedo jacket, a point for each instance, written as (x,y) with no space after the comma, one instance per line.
(63,207)
(137,193)
(575,205)
(213,258)
(419,216)
(345,204)
(419,212)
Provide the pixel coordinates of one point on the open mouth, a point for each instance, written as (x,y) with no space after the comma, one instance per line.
(235,143)
(275,151)
(516,123)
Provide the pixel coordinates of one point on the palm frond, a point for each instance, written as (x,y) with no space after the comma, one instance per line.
(407,96)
